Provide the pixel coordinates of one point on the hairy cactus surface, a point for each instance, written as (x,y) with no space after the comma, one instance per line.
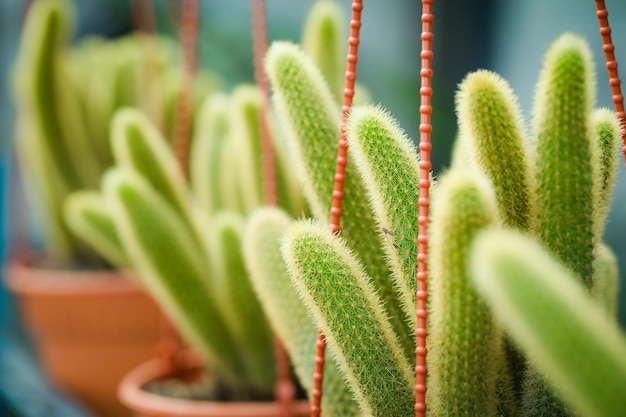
(465,343)
(289,317)
(349,310)
(490,122)
(565,151)
(311,118)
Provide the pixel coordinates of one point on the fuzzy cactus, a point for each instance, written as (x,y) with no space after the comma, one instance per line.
(466,348)
(347,307)
(564,153)
(189,260)
(545,307)
(289,317)
(311,119)
(323,39)
(65,98)
(490,124)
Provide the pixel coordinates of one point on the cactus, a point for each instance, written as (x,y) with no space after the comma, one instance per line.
(474,367)
(311,119)
(464,353)
(345,304)
(564,154)
(189,260)
(65,98)
(289,317)
(544,306)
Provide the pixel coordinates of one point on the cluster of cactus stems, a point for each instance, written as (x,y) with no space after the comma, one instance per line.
(497,345)
(523,290)
(65,98)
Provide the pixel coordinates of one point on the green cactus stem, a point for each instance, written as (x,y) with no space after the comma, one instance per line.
(323,39)
(88,217)
(490,121)
(607,132)
(288,315)
(545,308)
(389,165)
(605,287)
(238,301)
(139,146)
(245,111)
(466,350)
(210,134)
(311,120)
(347,307)
(173,268)
(565,153)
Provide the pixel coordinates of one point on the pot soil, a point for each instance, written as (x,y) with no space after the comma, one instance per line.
(89,328)
(133,393)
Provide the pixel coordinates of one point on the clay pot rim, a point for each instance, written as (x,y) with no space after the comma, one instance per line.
(22,278)
(131,393)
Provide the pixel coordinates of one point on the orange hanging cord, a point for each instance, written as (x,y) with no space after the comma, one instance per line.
(340,176)
(184,113)
(425,147)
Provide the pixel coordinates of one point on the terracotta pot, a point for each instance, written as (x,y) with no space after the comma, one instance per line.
(146,404)
(89,328)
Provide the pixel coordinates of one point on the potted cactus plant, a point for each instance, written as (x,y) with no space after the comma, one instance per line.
(86,317)
(188,255)
(510,308)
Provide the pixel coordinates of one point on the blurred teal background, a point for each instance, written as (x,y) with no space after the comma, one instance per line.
(507,36)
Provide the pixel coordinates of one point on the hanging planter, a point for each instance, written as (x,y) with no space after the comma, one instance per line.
(133,393)
(89,328)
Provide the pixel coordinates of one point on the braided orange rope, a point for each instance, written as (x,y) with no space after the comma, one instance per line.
(340,177)
(611,66)
(425,147)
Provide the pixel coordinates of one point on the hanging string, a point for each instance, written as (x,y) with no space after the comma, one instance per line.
(340,176)
(284,390)
(425,147)
(611,66)
(184,113)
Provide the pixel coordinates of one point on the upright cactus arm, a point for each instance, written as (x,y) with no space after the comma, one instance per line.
(311,120)
(580,352)
(466,348)
(490,123)
(323,39)
(172,267)
(565,152)
(139,146)
(288,315)
(346,306)
(389,165)
(44,93)
(607,134)
(245,112)
(605,286)
(209,136)
(88,217)
(238,301)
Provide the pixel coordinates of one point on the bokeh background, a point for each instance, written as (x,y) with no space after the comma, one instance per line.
(507,36)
